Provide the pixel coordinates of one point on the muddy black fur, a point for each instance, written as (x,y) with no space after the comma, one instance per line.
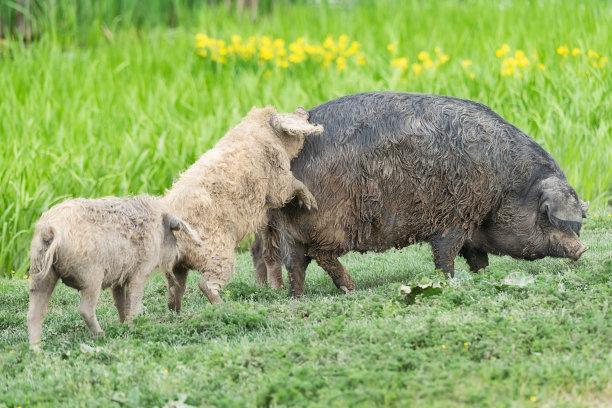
(392,169)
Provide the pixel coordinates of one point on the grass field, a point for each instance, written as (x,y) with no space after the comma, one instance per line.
(121,104)
(541,341)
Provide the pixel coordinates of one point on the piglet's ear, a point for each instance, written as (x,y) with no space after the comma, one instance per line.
(174,223)
(561,207)
(294,124)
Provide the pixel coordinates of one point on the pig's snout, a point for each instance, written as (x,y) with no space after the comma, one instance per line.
(581,250)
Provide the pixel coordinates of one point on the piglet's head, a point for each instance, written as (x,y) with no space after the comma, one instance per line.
(292,129)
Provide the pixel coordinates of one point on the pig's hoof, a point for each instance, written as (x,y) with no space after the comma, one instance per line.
(213,297)
(346,290)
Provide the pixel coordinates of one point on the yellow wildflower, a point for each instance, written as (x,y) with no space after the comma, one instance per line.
(508,66)
(352,50)
(576,51)
(466,344)
(417,68)
(165,370)
(400,63)
(466,63)
(361,60)
(236,39)
(296,58)
(563,50)
(203,53)
(201,40)
(266,53)
(265,41)
(444,58)
(423,55)
(427,63)
(471,75)
(540,66)
(392,47)
(503,50)
(533,399)
(521,59)
(444,346)
(279,43)
(602,62)
(340,64)
(329,43)
(281,62)
(592,53)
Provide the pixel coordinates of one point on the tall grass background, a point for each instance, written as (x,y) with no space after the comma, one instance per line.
(111,98)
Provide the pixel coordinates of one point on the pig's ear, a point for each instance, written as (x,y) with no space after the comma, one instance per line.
(294,124)
(174,223)
(584,205)
(561,207)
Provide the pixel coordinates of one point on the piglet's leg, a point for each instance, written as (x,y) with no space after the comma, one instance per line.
(119,296)
(40,293)
(333,267)
(446,248)
(304,196)
(87,308)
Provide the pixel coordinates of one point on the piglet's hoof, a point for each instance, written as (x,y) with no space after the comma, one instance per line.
(212,295)
(346,290)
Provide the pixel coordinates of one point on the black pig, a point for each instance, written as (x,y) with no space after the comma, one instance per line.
(392,169)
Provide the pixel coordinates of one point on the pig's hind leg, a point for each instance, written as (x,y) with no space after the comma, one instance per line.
(40,294)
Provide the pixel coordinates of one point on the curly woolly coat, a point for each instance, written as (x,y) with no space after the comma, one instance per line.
(96,244)
(226,193)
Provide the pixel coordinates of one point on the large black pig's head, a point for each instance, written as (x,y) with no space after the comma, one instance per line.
(543,221)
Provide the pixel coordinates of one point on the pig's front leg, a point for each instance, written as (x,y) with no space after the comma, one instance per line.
(304,196)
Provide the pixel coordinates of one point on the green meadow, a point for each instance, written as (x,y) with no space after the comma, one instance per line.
(118,98)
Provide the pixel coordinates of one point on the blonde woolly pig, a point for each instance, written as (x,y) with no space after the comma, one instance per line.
(94,244)
(226,193)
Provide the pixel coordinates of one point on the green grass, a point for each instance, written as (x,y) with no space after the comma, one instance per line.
(549,339)
(88,114)
(121,103)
